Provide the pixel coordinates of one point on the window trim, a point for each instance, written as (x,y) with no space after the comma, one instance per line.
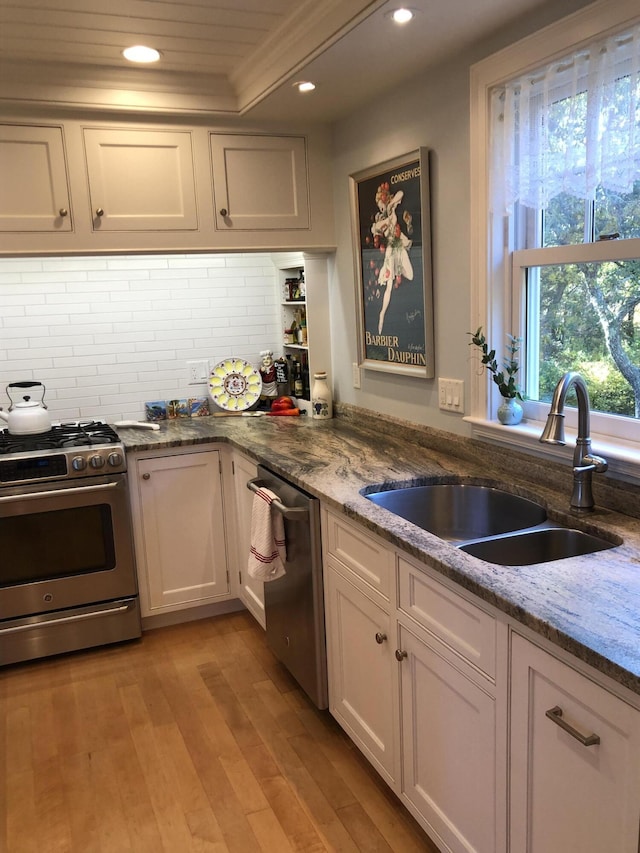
(492,302)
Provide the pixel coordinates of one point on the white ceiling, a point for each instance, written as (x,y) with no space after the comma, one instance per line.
(231,57)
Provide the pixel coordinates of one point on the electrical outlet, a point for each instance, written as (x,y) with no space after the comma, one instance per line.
(451,395)
(356,375)
(198,371)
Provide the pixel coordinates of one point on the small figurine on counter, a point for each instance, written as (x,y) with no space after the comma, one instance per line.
(267,371)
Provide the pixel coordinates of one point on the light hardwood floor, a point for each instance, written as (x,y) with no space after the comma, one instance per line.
(193,738)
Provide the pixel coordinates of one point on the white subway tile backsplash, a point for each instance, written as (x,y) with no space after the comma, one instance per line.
(21,265)
(64,309)
(58,277)
(18,298)
(107,333)
(137,262)
(65,264)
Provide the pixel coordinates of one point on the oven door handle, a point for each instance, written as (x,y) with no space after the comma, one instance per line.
(33,496)
(80,617)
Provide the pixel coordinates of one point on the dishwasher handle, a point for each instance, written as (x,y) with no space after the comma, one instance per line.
(293,513)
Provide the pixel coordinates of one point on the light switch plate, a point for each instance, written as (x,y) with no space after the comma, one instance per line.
(451,395)
(356,374)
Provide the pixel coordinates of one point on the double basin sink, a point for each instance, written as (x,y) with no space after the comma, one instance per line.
(487,522)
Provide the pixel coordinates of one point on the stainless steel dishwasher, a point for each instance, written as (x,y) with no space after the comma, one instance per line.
(294,603)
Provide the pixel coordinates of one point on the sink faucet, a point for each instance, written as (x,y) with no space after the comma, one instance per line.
(584,461)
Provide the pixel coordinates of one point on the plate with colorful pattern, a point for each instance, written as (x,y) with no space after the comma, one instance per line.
(235,385)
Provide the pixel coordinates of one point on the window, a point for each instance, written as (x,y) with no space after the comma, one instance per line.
(560,205)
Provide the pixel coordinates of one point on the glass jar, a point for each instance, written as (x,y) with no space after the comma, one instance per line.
(321,401)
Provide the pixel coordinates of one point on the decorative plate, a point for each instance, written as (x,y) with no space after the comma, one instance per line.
(235,385)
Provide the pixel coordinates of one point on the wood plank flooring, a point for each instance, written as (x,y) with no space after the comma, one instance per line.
(192,739)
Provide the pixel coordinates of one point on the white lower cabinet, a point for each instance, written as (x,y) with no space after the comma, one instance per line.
(415,665)
(449,749)
(362,670)
(180,531)
(575,760)
(250,591)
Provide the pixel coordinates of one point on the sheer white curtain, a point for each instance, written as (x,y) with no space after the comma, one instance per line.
(568,127)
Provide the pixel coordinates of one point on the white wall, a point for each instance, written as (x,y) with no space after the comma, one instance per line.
(432,110)
(104,334)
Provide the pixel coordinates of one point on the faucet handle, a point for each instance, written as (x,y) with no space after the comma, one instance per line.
(595,463)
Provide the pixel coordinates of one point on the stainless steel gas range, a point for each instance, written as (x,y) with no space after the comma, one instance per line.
(67,567)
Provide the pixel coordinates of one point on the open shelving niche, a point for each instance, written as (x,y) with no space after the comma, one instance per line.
(316,308)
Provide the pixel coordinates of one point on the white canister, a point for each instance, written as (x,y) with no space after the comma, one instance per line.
(321,401)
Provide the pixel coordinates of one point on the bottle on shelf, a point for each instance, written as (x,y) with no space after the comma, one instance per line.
(282,376)
(298,386)
(321,399)
(304,364)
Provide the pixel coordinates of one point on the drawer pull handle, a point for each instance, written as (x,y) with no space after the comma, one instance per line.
(224,211)
(63,212)
(146,476)
(99,212)
(401,654)
(380,637)
(555,715)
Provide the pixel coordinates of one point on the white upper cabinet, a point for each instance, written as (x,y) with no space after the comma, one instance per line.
(140,180)
(260,183)
(34,194)
(78,187)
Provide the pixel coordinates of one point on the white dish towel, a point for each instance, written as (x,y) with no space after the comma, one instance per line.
(268,553)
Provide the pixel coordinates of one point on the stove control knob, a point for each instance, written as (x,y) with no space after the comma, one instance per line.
(96,462)
(78,463)
(115,459)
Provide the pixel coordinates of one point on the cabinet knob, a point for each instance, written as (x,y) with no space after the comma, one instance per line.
(146,476)
(224,211)
(99,211)
(380,638)
(401,654)
(63,212)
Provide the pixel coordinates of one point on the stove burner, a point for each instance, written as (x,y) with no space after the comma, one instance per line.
(77,434)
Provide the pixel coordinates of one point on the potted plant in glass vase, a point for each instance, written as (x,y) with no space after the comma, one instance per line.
(510,410)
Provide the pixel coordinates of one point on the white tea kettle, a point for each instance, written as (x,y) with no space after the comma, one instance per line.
(29,416)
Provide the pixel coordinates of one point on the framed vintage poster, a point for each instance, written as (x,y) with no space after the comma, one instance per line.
(392,244)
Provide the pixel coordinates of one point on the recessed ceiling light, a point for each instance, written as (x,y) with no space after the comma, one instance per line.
(141,53)
(402,16)
(305,86)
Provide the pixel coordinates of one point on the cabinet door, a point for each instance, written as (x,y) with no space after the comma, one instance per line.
(259,182)
(140,180)
(34,195)
(362,672)
(251,591)
(183,530)
(566,795)
(449,749)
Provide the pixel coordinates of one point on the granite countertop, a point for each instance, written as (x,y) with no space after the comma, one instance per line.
(588,605)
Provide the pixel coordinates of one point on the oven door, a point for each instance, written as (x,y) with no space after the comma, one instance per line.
(64,545)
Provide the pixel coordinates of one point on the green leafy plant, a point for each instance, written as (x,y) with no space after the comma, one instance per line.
(505,379)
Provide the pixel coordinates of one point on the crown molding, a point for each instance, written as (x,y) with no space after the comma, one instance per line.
(306,33)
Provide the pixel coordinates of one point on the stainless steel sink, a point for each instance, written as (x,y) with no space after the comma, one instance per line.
(459,512)
(487,522)
(536,546)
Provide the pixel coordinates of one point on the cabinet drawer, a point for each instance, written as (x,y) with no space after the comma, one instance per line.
(462,626)
(361,552)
